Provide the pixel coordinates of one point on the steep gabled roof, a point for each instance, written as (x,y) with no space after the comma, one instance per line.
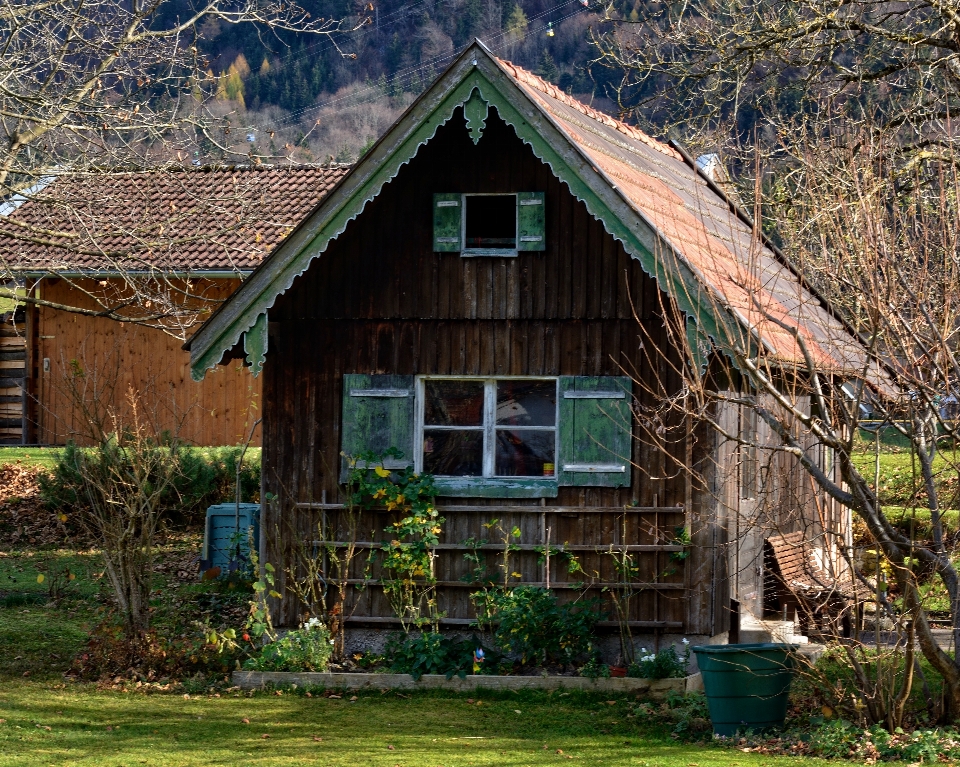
(647,194)
(218,219)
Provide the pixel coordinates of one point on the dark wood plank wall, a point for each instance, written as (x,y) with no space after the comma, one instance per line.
(381,301)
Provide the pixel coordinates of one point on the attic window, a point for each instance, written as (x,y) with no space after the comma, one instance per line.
(490,222)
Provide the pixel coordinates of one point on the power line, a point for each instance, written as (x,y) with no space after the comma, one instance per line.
(302,53)
(377,90)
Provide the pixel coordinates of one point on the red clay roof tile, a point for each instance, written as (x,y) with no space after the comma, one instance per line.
(195,219)
(699,225)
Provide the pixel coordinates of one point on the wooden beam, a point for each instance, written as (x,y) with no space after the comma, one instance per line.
(599,548)
(553,584)
(472,622)
(520,509)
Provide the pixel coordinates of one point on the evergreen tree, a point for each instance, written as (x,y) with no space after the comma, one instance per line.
(468,23)
(394,54)
(547,67)
(517,22)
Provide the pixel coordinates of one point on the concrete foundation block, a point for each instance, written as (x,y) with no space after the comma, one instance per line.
(653,689)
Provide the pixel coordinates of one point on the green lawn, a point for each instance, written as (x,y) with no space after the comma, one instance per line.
(32,456)
(42,725)
(45,720)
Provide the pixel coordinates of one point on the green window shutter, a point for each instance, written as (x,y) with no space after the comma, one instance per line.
(595,431)
(531,221)
(377,416)
(446,222)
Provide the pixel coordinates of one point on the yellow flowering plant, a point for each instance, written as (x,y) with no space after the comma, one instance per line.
(408,557)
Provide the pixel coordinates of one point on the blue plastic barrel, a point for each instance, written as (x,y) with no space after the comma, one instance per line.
(221,534)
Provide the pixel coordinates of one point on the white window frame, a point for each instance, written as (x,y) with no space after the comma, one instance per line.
(489,426)
(466,252)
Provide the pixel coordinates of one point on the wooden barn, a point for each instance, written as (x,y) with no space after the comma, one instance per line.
(168,238)
(481,292)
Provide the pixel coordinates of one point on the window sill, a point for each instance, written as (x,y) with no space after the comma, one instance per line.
(504,487)
(502,252)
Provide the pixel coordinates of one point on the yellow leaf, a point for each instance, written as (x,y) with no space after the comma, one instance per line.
(382,472)
(62,517)
(40,578)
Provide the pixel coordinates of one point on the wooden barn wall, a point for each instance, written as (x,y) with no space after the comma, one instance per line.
(786,501)
(381,301)
(116,357)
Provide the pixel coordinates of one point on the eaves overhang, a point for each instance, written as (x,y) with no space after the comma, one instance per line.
(477,70)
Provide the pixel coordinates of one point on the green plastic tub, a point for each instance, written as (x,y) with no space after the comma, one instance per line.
(747,685)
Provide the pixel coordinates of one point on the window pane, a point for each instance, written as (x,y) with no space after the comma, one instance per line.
(491,221)
(451,453)
(453,403)
(522,453)
(526,403)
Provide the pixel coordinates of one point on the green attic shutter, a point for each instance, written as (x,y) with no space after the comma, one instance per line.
(446,223)
(377,416)
(531,221)
(595,431)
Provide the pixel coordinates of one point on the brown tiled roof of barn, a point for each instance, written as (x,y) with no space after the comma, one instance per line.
(713,241)
(216,219)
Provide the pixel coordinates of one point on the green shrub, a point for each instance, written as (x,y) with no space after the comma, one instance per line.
(305,649)
(595,668)
(686,715)
(666,664)
(204,477)
(533,626)
(434,653)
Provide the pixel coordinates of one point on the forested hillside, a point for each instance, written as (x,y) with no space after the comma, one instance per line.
(316,97)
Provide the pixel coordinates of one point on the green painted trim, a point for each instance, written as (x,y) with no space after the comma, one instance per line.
(503,487)
(255,343)
(475,110)
(476,70)
(324,229)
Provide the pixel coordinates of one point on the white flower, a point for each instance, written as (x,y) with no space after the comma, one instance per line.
(685,640)
(643,649)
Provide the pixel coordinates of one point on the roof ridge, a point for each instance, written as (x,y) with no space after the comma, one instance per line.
(554,92)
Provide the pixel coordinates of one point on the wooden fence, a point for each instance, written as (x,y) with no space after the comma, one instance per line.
(13,362)
(571,550)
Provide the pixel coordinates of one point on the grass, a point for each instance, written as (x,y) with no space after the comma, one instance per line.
(37,636)
(31,456)
(78,725)
(45,720)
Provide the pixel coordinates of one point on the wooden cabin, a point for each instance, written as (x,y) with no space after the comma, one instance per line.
(187,236)
(482,292)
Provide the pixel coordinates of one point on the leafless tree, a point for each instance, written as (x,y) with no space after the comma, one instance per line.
(893,249)
(837,118)
(88,88)
(115,491)
(754,63)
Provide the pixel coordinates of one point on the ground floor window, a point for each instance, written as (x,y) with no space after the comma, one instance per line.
(488,427)
(495,437)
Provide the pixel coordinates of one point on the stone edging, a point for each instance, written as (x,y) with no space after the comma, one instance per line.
(652,688)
